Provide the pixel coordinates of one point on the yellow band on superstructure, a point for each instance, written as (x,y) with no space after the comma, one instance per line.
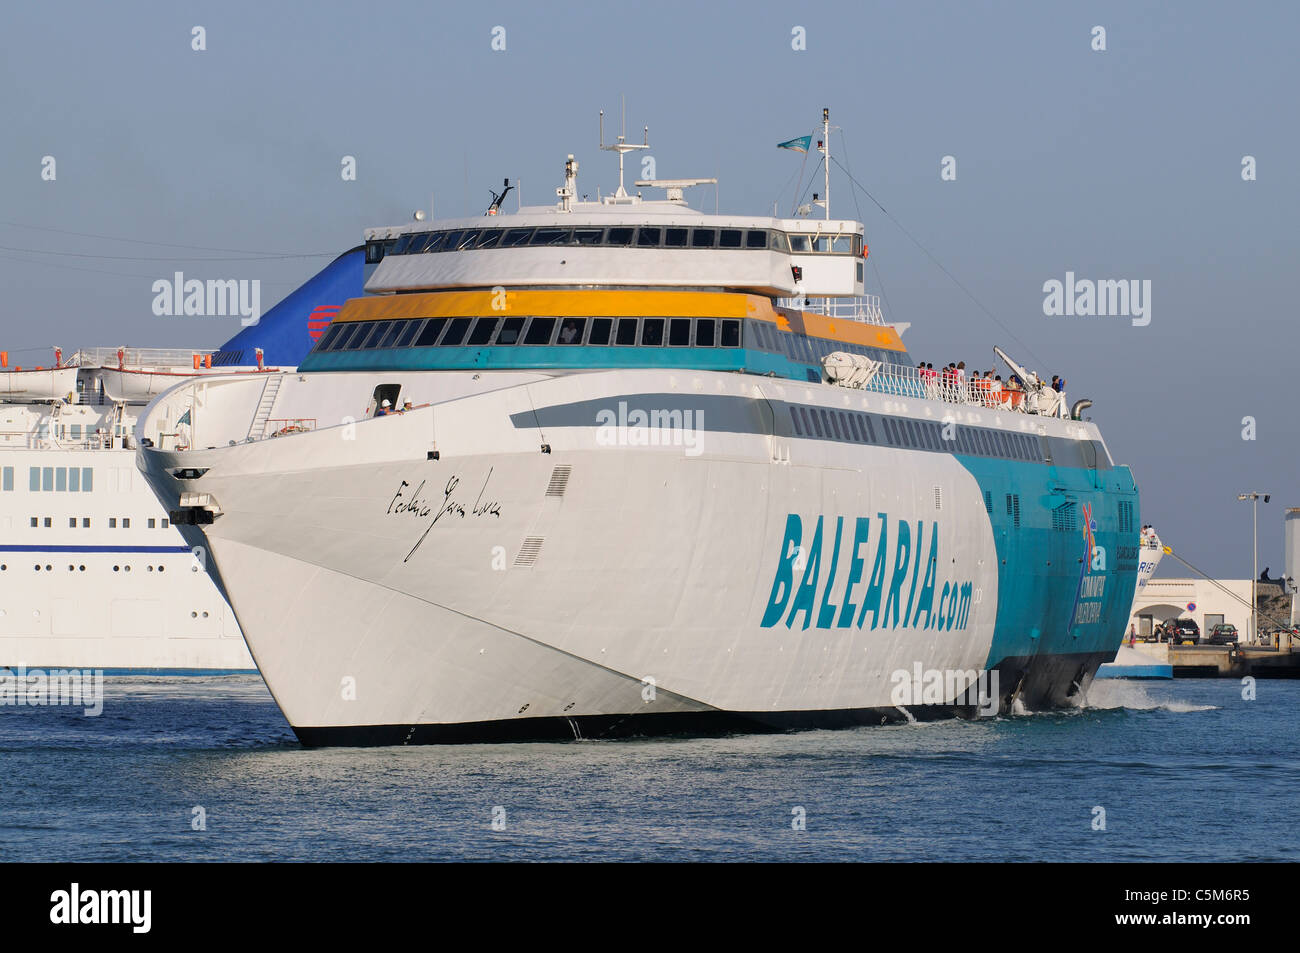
(602,303)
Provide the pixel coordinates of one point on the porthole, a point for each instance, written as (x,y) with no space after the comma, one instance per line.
(116,568)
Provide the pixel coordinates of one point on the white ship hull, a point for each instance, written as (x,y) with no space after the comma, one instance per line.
(642,589)
(91,573)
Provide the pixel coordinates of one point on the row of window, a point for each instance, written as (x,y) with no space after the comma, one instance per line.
(855,427)
(85,522)
(810,350)
(74,568)
(620,236)
(52,479)
(538,331)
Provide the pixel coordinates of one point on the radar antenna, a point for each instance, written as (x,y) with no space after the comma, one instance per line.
(622,145)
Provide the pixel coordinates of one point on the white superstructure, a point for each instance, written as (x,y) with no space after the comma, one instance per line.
(92,573)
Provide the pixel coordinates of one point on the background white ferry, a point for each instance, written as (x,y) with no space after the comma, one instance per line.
(92,573)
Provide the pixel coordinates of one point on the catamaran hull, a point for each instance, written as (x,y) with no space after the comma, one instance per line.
(534,580)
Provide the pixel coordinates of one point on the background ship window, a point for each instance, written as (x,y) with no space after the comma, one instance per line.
(112,522)
(8,477)
(871,429)
(482,332)
(87,479)
(841,429)
(571,331)
(779,241)
(408,333)
(587,236)
(755,238)
(550,236)
(74,478)
(648,237)
(61,479)
(799,243)
(675,237)
(35,522)
(679,332)
(856,424)
(626,333)
(795,421)
(455,332)
(731,333)
(418,242)
(890,433)
(539,330)
(857,245)
(509,333)
(621,236)
(842,244)
(730,238)
(600,329)
(652,332)
(705,332)
(515,237)
(47,478)
(820,243)
(377,331)
(489,238)
(429,335)
(704,237)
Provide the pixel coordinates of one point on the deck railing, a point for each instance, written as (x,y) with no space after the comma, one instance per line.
(907,381)
(864,309)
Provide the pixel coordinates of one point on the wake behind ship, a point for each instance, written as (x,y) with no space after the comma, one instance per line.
(616,467)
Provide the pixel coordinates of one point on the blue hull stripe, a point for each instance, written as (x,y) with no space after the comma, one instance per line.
(95,549)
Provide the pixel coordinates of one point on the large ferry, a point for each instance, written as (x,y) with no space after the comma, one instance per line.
(621,466)
(92,572)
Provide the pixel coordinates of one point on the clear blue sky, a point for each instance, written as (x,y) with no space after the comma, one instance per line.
(1116,164)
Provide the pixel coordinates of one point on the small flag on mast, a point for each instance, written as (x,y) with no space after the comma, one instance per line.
(798,145)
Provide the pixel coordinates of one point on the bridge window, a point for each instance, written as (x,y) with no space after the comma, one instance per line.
(376,334)
(451,239)
(730,238)
(799,243)
(539,330)
(706,330)
(408,333)
(648,237)
(625,336)
(587,236)
(515,237)
(482,332)
(429,334)
(652,332)
(600,331)
(551,236)
(620,236)
(731,333)
(374,252)
(679,332)
(331,335)
(755,238)
(571,331)
(509,333)
(420,243)
(703,237)
(455,332)
(402,242)
(675,237)
(489,238)
(842,244)
(435,242)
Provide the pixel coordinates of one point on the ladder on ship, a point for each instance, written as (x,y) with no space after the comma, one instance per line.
(264,407)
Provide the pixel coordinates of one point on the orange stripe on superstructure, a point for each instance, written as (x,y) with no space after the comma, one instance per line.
(603,303)
(598,303)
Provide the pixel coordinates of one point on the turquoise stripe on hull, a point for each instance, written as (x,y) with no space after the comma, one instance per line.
(1041,611)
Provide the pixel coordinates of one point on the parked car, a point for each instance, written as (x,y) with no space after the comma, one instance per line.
(1183,632)
(1223,634)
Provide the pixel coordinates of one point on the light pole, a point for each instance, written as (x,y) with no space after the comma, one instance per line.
(1254,496)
